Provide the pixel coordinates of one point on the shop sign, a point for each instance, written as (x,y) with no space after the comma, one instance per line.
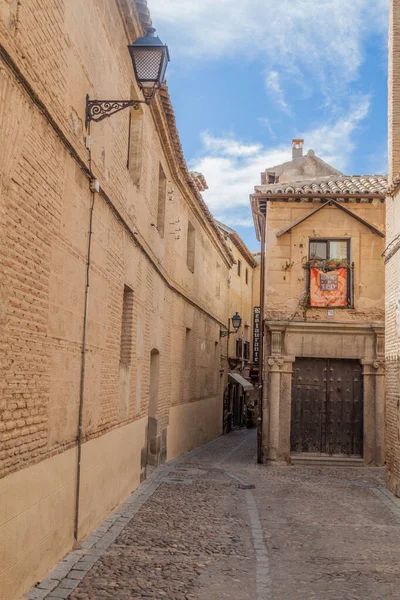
(256,334)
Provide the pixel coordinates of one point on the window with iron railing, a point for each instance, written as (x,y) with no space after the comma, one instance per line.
(329,274)
(246,351)
(238,348)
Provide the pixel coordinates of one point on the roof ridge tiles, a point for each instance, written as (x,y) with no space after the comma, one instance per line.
(340,185)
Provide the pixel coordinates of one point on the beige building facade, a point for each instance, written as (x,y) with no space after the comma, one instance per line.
(239,344)
(150,386)
(324,367)
(392,260)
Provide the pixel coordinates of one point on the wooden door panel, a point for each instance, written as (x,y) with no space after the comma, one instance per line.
(307,400)
(344,407)
(327,407)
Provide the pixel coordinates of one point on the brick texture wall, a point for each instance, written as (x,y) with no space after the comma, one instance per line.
(393,262)
(66,49)
(392,328)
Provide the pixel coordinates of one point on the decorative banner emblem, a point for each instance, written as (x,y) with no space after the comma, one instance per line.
(329,282)
(328,289)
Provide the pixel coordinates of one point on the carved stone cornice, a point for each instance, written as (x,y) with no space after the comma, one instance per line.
(323,327)
(277,331)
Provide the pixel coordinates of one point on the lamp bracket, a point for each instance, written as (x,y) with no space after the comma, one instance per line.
(226,333)
(97,110)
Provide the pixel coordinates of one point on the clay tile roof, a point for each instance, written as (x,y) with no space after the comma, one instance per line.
(238,242)
(199,180)
(145,20)
(345,185)
(144,13)
(178,151)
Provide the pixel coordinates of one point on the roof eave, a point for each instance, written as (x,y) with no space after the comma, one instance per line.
(255,209)
(243,249)
(331,202)
(310,195)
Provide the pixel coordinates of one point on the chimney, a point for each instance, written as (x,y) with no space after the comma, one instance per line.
(297,148)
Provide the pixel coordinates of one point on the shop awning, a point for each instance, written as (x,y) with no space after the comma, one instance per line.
(246,385)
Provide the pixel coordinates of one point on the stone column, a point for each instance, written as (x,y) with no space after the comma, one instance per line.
(369,413)
(274,395)
(274,365)
(285,413)
(379,413)
(379,369)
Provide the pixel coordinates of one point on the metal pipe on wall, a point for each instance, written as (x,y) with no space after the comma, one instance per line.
(83,372)
(83,363)
(260,417)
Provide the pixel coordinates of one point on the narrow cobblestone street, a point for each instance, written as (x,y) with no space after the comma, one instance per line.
(192,532)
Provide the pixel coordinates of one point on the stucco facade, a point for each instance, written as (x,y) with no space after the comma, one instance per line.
(240,295)
(238,346)
(151,384)
(311,350)
(392,260)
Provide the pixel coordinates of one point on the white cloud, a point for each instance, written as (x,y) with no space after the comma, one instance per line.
(267,124)
(233,220)
(324,38)
(232,168)
(274,87)
(228,146)
(335,142)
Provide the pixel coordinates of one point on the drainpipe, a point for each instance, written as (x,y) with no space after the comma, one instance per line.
(262,220)
(83,359)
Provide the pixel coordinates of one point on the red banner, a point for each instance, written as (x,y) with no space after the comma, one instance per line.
(328,289)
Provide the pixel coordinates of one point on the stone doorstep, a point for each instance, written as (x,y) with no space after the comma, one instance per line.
(313,460)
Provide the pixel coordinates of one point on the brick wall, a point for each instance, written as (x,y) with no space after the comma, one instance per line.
(64,49)
(392,327)
(393,262)
(51,55)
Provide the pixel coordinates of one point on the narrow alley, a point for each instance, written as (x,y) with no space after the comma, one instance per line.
(192,531)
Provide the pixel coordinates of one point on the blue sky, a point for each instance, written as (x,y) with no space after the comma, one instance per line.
(247,76)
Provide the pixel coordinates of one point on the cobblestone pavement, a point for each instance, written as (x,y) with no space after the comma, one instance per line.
(193,531)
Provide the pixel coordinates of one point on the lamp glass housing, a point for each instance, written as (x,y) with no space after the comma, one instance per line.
(150,59)
(236,321)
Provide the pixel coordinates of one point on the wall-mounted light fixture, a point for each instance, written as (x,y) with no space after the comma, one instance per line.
(236,323)
(150,58)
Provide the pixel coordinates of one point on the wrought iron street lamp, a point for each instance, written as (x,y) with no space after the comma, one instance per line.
(236,322)
(150,58)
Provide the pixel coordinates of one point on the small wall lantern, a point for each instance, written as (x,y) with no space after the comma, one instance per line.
(236,322)
(150,58)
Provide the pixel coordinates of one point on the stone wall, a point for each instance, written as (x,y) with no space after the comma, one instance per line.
(294,330)
(287,341)
(287,255)
(60,53)
(241,301)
